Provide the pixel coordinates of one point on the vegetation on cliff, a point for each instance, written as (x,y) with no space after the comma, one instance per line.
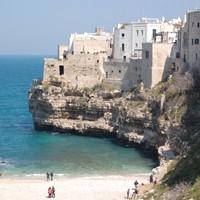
(182,108)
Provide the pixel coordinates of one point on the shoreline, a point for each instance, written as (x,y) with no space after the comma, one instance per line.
(60,176)
(87,188)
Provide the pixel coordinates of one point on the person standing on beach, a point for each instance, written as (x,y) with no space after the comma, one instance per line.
(49,192)
(136,184)
(51,174)
(53,192)
(128,193)
(48,176)
(151,179)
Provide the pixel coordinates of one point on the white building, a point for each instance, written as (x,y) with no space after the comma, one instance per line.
(128,38)
(190,40)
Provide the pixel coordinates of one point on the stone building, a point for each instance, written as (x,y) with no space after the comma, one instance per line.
(81,63)
(190,40)
(84,70)
(98,42)
(123,75)
(157,62)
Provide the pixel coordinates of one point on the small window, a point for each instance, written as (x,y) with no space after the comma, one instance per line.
(192,24)
(123,47)
(136,45)
(61,70)
(142,32)
(184,58)
(136,69)
(147,54)
(106,74)
(196,41)
(177,55)
(192,41)
(97,61)
(124,58)
(123,35)
(137,32)
(120,71)
(198,24)
(154,33)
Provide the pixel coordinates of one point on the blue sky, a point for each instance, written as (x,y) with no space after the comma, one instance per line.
(37,26)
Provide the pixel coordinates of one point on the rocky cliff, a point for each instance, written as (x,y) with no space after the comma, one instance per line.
(165,118)
(93,112)
(150,118)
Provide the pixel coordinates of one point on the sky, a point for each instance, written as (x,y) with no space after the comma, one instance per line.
(36,27)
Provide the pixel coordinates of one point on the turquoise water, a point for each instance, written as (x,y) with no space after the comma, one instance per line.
(26,151)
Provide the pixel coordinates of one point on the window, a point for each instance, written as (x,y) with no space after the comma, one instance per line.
(97,61)
(136,69)
(123,35)
(192,24)
(124,58)
(123,47)
(192,41)
(147,54)
(120,71)
(198,25)
(154,33)
(178,55)
(142,32)
(184,58)
(61,70)
(196,41)
(137,32)
(106,74)
(136,45)
(185,40)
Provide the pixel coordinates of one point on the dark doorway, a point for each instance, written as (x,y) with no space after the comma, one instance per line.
(61,70)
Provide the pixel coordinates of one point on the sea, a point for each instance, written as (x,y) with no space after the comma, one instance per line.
(27,152)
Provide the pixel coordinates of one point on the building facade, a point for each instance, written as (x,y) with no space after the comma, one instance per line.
(190,40)
(90,43)
(128,38)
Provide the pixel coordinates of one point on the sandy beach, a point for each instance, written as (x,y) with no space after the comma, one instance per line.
(88,188)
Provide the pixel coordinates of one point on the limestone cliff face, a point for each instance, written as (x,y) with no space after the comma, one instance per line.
(54,106)
(156,118)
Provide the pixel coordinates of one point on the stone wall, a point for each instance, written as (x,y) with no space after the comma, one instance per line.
(62,50)
(156,62)
(92,45)
(83,70)
(123,75)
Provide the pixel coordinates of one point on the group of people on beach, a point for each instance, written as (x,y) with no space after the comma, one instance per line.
(51,192)
(49,176)
(133,192)
(152,179)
